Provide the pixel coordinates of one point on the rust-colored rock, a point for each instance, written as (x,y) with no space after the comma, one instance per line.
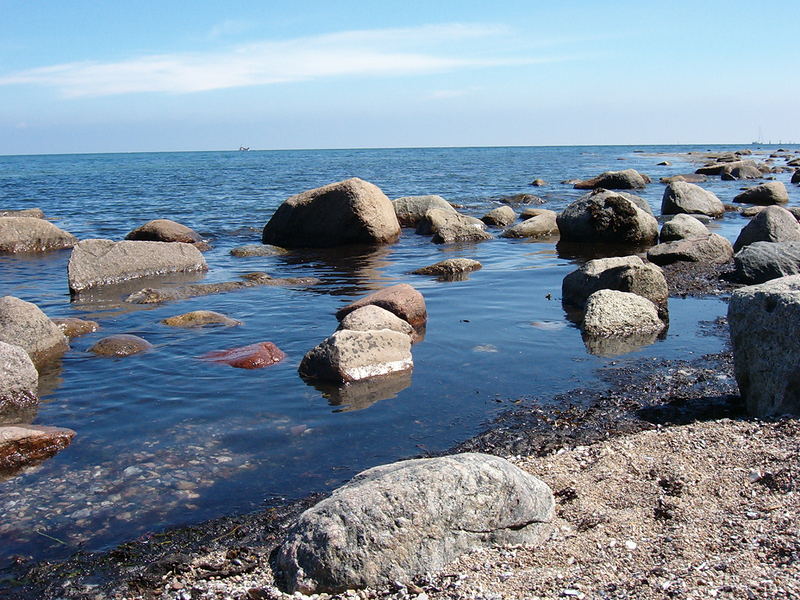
(254,356)
(74,327)
(401,299)
(21,445)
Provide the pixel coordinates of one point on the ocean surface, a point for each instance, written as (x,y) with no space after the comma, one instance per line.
(164,439)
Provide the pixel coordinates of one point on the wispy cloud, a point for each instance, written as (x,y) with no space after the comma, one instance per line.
(229,27)
(379,52)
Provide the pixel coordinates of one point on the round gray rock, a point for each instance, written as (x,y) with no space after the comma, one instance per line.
(24,324)
(400,521)
(629,179)
(615,313)
(371,318)
(502,216)
(120,346)
(761,261)
(410,210)
(451,227)
(603,217)
(32,235)
(773,192)
(680,227)
(18,382)
(681,197)
(710,248)
(773,224)
(543,224)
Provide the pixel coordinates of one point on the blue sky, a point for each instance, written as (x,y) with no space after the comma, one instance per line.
(92,76)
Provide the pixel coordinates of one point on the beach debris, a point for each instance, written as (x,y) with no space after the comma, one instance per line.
(22,235)
(410,210)
(24,324)
(681,197)
(120,345)
(253,356)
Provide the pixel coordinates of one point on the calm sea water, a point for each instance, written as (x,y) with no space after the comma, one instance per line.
(164,439)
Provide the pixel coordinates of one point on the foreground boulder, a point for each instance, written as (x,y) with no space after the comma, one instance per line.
(353,211)
(681,197)
(410,210)
(401,299)
(22,445)
(711,248)
(164,230)
(773,192)
(350,355)
(254,356)
(103,262)
(765,333)
(19,380)
(400,521)
(451,227)
(120,346)
(625,274)
(24,324)
(450,268)
(200,318)
(773,224)
(604,217)
(32,235)
(680,227)
(541,224)
(761,261)
(373,318)
(502,216)
(619,314)
(629,179)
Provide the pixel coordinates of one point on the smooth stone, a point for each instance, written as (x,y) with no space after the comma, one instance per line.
(372,318)
(252,250)
(22,445)
(451,227)
(538,183)
(615,313)
(19,381)
(22,235)
(521,199)
(401,299)
(103,262)
(773,224)
(761,261)
(686,177)
(253,356)
(353,211)
(773,192)
(410,210)
(606,217)
(24,324)
(680,227)
(36,213)
(543,224)
(120,345)
(450,268)
(350,355)
(629,179)
(719,167)
(711,248)
(165,230)
(200,318)
(681,197)
(502,216)
(396,522)
(73,327)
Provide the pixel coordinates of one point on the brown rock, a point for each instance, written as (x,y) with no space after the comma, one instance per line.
(24,324)
(615,180)
(73,327)
(538,183)
(254,356)
(502,216)
(32,235)
(120,345)
(401,299)
(21,445)
(200,318)
(164,230)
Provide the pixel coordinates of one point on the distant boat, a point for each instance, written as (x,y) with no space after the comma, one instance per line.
(243,148)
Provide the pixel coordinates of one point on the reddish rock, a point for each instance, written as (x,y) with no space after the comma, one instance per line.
(254,356)
(21,445)
(401,299)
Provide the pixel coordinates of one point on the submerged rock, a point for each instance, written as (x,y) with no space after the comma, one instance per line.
(120,345)
(762,261)
(681,197)
(32,235)
(372,318)
(720,166)
(353,211)
(629,179)
(200,318)
(521,199)
(257,250)
(680,227)
(686,177)
(410,210)
(401,299)
(103,262)
(165,230)
(773,192)
(24,324)
(542,224)
(604,217)
(254,356)
(73,327)
(36,213)
(19,380)
(711,248)
(502,216)
(450,268)
(23,445)
(620,314)
(451,227)
(772,224)
(400,521)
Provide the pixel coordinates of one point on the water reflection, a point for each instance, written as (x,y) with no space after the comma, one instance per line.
(616,346)
(359,395)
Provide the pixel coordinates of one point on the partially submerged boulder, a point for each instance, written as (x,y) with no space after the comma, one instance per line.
(350,355)
(740,172)
(36,213)
(681,197)
(23,445)
(542,224)
(32,235)
(253,356)
(720,166)
(502,216)
(773,224)
(104,262)
(404,520)
(373,318)
(410,210)
(120,345)
(19,380)
(73,327)
(711,248)
(165,230)
(353,211)
(24,324)
(401,299)
(252,250)
(450,268)
(772,192)
(761,261)
(629,179)
(452,227)
(200,318)
(765,332)
(614,313)
(603,217)
(680,227)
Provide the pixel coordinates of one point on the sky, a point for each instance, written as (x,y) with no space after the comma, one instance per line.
(103,76)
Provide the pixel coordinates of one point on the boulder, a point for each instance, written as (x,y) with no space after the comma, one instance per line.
(19,380)
(254,356)
(682,226)
(664,163)
(772,192)
(23,324)
(604,217)
(200,318)
(502,216)
(625,274)
(629,179)
(719,167)
(741,172)
(765,333)
(350,355)
(164,230)
(450,267)
(410,210)
(681,197)
(538,183)
(22,445)
(619,314)
(104,262)
(36,213)
(353,211)
(73,327)
(120,345)
(252,250)
(401,299)
(32,235)
(761,261)
(521,199)
(711,248)
(408,519)
(372,318)
(543,224)
(796,176)
(451,227)
(687,177)
(773,224)
(793,163)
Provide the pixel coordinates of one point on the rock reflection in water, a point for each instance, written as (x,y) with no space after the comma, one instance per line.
(616,346)
(359,395)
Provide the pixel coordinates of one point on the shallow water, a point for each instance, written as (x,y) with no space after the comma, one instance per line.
(166,439)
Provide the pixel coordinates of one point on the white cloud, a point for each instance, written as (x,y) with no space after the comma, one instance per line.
(379,52)
(229,27)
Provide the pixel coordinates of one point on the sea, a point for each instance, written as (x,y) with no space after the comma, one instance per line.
(164,439)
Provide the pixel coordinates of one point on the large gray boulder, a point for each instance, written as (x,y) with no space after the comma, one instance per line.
(24,324)
(741,172)
(350,355)
(624,274)
(773,224)
(372,318)
(772,192)
(542,224)
(681,197)
(603,217)
(761,261)
(410,210)
(450,227)
(102,262)
(353,211)
(765,332)
(680,227)
(629,179)
(620,314)
(32,235)
(400,521)
(711,248)
(18,383)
